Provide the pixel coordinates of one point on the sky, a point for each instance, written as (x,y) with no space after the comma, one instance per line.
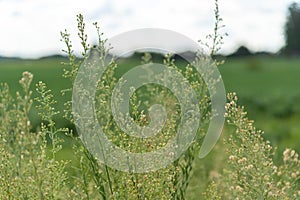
(31,28)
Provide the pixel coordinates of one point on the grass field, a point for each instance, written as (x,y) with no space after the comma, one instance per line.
(268,87)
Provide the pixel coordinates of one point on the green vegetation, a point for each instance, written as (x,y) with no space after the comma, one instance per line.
(42,158)
(275,77)
(48,70)
(292,30)
(267,86)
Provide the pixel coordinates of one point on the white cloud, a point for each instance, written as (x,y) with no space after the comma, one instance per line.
(30,28)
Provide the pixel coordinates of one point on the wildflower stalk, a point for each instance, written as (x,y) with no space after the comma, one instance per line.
(251,172)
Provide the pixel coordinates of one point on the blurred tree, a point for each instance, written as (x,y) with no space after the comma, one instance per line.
(241,51)
(292,30)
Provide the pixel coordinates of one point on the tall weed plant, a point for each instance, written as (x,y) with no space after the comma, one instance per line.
(30,169)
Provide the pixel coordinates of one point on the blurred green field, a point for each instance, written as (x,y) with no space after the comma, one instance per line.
(269,89)
(47,70)
(267,86)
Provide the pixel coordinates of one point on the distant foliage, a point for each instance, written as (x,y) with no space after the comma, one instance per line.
(241,51)
(292,30)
